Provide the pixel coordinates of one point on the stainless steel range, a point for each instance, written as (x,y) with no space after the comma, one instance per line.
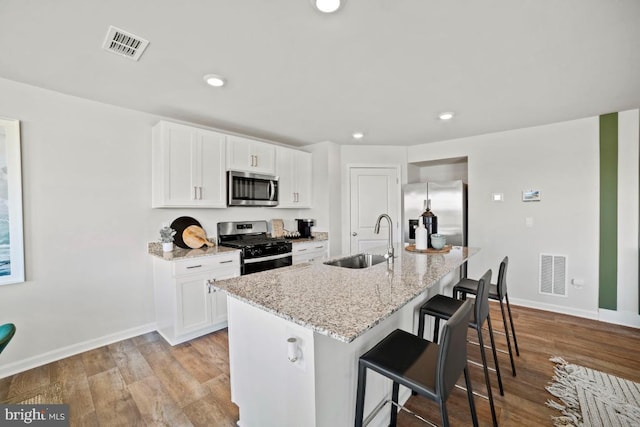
(259,252)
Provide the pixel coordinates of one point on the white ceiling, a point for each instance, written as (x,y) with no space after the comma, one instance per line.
(384,67)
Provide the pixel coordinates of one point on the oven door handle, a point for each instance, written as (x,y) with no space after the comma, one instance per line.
(266,258)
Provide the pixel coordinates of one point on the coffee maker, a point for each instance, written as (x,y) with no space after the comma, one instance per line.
(304,227)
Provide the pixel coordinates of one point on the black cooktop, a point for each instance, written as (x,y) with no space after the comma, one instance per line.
(251,241)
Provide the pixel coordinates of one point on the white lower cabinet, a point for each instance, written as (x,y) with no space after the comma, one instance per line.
(187,306)
(309,251)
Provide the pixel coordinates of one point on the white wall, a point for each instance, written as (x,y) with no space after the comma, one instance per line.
(561,160)
(87,222)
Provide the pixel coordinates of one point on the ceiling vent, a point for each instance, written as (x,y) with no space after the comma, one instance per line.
(124,43)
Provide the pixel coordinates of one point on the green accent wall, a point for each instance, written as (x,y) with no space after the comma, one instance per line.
(608,268)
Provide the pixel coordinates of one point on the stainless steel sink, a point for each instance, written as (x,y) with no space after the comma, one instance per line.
(358,261)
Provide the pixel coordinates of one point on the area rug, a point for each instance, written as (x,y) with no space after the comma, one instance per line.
(592,398)
(51,394)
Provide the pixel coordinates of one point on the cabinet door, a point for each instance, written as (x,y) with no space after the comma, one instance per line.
(244,154)
(285,171)
(193,303)
(294,169)
(187,167)
(265,157)
(219,299)
(239,154)
(172,170)
(210,164)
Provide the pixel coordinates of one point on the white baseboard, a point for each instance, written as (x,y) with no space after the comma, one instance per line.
(555,308)
(61,353)
(625,318)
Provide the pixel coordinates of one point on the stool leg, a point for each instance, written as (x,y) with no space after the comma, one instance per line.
(436,329)
(394,411)
(486,377)
(443,412)
(513,330)
(495,355)
(421,324)
(362,384)
(507,334)
(472,405)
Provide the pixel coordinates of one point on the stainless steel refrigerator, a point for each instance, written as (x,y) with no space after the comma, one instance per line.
(448,203)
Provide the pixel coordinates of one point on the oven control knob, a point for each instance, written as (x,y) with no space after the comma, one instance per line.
(255,251)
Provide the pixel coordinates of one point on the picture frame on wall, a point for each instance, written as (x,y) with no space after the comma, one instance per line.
(531,196)
(11,227)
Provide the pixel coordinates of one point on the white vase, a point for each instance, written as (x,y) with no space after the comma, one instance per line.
(167,246)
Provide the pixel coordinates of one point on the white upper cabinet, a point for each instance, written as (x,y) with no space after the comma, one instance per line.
(249,155)
(188,167)
(293,167)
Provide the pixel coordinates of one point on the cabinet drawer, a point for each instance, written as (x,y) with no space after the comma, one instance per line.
(207,264)
(309,251)
(301,248)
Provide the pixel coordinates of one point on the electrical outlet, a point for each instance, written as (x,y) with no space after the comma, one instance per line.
(577,283)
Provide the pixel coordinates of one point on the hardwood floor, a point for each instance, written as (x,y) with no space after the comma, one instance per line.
(144,381)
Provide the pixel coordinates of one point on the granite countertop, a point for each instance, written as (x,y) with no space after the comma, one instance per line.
(155,249)
(344,303)
(177,254)
(317,237)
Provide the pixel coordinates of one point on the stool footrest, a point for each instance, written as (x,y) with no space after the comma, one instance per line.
(475,393)
(409,411)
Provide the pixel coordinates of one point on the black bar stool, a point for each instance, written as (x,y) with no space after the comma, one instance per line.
(443,307)
(427,368)
(498,293)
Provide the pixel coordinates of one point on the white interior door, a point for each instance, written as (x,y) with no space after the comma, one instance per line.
(373,191)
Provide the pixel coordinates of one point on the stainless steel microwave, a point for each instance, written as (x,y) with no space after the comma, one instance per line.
(251,189)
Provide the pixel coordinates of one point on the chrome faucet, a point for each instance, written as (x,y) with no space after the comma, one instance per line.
(389,254)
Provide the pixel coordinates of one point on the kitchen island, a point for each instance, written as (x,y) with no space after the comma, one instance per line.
(335,314)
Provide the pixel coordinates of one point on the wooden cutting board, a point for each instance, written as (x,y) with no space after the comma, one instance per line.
(445,250)
(195,237)
(181,224)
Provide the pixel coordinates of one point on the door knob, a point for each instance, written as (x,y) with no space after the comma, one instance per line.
(354,234)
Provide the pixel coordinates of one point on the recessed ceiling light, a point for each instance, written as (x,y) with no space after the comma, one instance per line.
(327,6)
(446,116)
(214,80)
(358,135)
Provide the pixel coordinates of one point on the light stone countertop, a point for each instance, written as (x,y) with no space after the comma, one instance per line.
(344,303)
(177,254)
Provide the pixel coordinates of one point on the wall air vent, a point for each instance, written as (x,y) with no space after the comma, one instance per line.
(124,43)
(553,275)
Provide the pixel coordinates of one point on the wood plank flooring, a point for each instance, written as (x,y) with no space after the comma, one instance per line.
(144,381)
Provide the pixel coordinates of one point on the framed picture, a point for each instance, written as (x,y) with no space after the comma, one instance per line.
(11,236)
(531,196)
